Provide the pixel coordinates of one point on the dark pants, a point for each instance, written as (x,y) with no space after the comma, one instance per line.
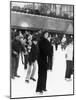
(26,61)
(56,46)
(50,63)
(69,69)
(14,65)
(42,77)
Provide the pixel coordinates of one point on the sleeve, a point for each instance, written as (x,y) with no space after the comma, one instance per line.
(51,50)
(12,46)
(22,48)
(13,51)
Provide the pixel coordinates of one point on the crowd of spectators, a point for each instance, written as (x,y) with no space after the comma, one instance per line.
(44,10)
(56,37)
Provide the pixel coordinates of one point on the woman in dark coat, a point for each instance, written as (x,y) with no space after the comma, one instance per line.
(44,51)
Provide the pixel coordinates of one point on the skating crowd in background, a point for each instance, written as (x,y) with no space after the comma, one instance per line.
(37,47)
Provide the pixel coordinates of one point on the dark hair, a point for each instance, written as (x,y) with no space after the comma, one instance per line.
(34,39)
(16,34)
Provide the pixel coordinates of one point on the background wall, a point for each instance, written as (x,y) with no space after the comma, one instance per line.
(26,20)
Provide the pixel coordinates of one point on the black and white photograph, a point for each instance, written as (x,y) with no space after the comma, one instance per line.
(41,49)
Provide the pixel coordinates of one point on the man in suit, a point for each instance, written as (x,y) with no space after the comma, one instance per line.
(44,52)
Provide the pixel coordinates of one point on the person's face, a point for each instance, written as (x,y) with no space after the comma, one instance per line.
(49,39)
(35,42)
(46,35)
(22,40)
(36,33)
(29,40)
(20,32)
(17,37)
(26,32)
(64,36)
(56,35)
(15,30)
(30,37)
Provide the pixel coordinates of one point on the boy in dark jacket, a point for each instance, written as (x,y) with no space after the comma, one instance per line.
(32,61)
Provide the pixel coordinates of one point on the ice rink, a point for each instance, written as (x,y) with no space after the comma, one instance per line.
(56,83)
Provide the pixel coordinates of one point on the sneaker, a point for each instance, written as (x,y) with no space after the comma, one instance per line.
(39,92)
(45,90)
(12,77)
(33,79)
(27,81)
(17,76)
(68,79)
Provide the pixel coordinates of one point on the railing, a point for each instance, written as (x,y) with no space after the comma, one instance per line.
(50,10)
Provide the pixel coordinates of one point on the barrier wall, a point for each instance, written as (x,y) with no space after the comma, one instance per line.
(35,21)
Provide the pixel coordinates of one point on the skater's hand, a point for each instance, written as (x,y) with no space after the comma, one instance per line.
(15,52)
